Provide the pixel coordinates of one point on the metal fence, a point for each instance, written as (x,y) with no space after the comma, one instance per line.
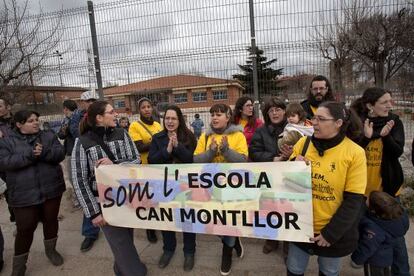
(140,40)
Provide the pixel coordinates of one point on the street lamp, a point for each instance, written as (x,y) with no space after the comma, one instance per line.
(59,56)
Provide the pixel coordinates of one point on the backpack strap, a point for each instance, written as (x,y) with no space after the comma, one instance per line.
(306,145)
(143,125)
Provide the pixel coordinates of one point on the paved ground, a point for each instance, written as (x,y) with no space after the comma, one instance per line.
(98,261)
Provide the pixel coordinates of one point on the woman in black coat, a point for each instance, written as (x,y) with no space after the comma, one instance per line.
(383,141)
(263,146)
(31,160)
(175,144)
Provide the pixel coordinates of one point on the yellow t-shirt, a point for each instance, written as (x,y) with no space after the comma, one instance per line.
(138,133)
(236,140)
(313,108)
(242,122)
(342,168)
(373,152)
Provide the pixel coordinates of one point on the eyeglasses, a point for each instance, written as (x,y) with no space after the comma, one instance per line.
(316,89)
(275,110)
(110,112)
(321,119)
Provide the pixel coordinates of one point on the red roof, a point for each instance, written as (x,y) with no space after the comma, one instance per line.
(169,82)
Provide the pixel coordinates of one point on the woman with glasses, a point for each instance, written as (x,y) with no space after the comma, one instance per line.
(175,144)
(244,115)
(338,185)
(102,143)
(383,141)
(264,144)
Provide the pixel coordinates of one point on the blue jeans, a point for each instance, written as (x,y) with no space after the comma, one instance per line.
(88,229)
(298,261)
(170,242)
(228,240)
(400,265)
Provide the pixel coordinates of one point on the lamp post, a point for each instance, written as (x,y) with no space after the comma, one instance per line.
(59,56)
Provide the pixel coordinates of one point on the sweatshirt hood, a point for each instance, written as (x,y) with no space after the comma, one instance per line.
(396,227)
(229,130)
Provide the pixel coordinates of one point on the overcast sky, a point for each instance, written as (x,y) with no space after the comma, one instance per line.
(152,38)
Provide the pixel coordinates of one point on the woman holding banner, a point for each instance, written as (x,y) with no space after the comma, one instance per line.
(175,144)
(141,133)
(223,142)
(339,178)
(383,141)
(102,143)
(264,148)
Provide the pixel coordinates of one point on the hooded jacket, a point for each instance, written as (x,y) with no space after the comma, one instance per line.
(236,151)
(32,180)
(375,245)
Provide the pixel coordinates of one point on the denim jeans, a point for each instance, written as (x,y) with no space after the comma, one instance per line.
(170,242)
(298,261)
(228,240)
(88,229)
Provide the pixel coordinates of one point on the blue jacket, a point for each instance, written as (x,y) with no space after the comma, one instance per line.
(158,153)
(375,245)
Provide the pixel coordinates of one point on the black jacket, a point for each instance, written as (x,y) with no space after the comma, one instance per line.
(158,153)
(65,134)
(393,147)
(263,146)
(306,106)
(32,180)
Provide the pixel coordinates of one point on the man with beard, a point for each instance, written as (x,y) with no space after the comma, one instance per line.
(320,91)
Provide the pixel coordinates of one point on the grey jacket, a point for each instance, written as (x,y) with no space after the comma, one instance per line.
(32,180)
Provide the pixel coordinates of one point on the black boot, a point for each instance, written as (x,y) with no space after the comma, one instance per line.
(226,256)
(238,246)
(19,264)
(151,236)
(50,249)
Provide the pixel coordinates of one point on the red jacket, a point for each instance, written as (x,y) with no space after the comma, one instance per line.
(249,131)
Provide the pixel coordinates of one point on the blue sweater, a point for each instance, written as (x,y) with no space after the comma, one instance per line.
(375,245)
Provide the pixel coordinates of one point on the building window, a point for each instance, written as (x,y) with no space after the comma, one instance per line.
(180,98)
(119,104)
(220,95)
(199,96)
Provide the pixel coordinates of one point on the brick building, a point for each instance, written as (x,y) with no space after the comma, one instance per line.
(186,91)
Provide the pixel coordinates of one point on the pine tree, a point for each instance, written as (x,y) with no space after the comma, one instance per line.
(265,73)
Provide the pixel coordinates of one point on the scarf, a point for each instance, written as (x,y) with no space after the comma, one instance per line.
(277,129)
(147,121)
(378,124)
(322,145)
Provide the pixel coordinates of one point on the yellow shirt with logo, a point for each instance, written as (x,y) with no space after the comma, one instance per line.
(243,122)
(373,152)
(342,168)
(236,140)
(138,133)
(313,108)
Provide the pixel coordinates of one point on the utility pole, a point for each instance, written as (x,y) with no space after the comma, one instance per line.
(95,50)
(254,57)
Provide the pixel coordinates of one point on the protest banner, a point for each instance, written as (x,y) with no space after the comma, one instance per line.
(271,200)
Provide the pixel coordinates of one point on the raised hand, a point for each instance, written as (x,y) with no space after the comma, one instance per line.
(224,144)
(368,129)
(213,145)
(387,128)
(37,150)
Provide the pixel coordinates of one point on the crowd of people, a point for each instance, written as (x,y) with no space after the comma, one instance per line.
(356,208)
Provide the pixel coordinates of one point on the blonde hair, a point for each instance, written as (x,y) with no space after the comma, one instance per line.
(289,138)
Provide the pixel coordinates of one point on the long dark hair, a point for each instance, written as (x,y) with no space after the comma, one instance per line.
(370,96)
(237,111)
(269,103)
(329,94)
(351,126)
(88,122)
(184,135)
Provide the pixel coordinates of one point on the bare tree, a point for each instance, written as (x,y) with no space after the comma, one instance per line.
(381,41)
(331,41)
(25,44)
